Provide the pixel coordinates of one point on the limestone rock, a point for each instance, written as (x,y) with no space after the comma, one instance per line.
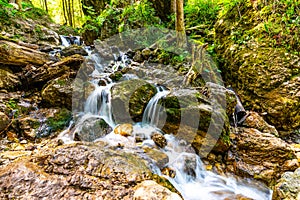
(124,130)
(263,70)
(72,50)
(160,158)
(159,139)
(288,186)
(77,171)
(262,155)
(91,129)
(255,121)
(58,92)
(151,190)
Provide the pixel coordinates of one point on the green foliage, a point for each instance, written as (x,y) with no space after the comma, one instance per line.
(12,105)
(114,20)
(201,12)
(59,120)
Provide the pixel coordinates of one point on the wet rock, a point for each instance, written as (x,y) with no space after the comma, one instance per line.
(8,80)
(159,158)
(59,92)
(200,119)
(4,121)
(159,139)
(169,172)
(129,100)
(152,190)
(288,186)
(72,50)
(91,129)
(124,130)
(262,155)
(255,121)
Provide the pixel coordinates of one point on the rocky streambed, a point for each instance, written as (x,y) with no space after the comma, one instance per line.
(36,105)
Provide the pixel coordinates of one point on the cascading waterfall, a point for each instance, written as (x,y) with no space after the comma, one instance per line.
(99,103)
(195,183)
(64,41)
(191,179)
(152,112)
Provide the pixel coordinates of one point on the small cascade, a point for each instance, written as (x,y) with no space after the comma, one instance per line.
(64,41)
(67,41)
(195,183)
(99,103)
(191,179)
(152,112)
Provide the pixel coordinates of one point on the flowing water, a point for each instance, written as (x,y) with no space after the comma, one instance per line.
(191,179)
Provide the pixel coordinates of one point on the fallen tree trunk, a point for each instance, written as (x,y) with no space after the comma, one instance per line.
(14,54)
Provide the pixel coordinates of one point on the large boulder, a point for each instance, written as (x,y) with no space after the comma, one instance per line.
(58,92)
(79,171)
(200,117)
(260,155)
(129,100)
(258,59)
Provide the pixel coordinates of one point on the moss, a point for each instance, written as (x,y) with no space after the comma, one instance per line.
(59,120)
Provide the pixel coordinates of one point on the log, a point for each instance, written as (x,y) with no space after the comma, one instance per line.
(14,54)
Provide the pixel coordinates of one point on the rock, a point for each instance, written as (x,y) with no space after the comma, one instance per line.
(159,158)
(169,172)
(255,121)
(288,186)
(28,126)
(199,119)
(58,92)
(78,171)
(4,122)
(8,80)
(159,139)
(259,65)
(262,155)
(124,130)
(129,100)
(74,49)
(91,129)
(151,190)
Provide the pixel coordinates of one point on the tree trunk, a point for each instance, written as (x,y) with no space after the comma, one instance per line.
(64,11)
(14,54)
(180,29)
(46,5)
(173,6)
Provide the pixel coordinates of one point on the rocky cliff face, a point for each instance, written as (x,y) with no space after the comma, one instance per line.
(258,53)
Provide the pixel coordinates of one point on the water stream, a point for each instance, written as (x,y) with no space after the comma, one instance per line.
(191,179)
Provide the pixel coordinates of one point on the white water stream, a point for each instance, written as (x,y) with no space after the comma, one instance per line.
(191,179)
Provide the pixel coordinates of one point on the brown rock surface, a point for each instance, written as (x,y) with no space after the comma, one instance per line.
(261,155)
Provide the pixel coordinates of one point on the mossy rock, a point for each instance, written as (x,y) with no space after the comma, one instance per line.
(60,120)
(129,100)
(260,60)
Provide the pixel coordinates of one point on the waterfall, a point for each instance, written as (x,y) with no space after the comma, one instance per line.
(64,41)
(152,112)
(195,183)
(191,178)
(99,103)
